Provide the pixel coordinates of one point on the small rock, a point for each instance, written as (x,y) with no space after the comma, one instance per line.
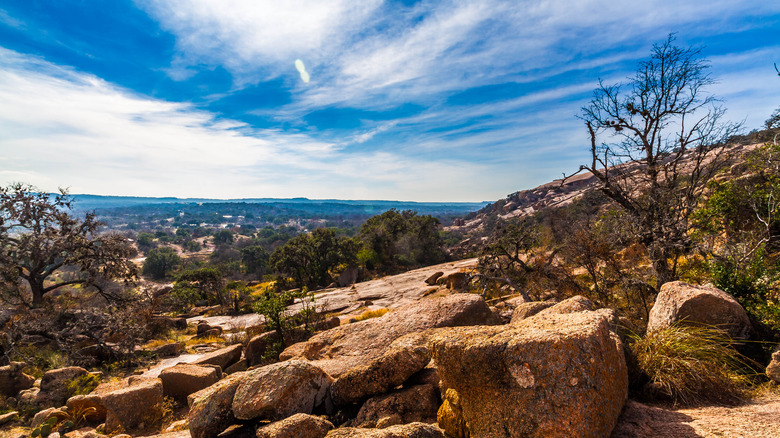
(169,350)
(407,405)
(42,416)
(431,281)
(773,370)
(526,310)
(411,430)
(296,426)
(13,380)
(9,417)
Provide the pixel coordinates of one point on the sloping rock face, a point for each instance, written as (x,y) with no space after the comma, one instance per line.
(559,375)
(411,430)
(342,348)
(773,370)
(134,406)
(280,390)
(13,380)
(297,426)
(408,405)
(181,380)
(681,302)
(211,409)
(405,356)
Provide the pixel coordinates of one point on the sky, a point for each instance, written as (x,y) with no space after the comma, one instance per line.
(340,99)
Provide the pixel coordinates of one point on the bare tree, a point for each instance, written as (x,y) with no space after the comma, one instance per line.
(655,143)
(39,239)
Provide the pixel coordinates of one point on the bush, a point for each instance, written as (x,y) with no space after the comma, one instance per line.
(692,364)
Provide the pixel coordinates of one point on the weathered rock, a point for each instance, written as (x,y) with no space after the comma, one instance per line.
(297,426)
(426,376)
(181,380)
(90,406)
(13,380)
(349,276)
(328,323)
(342,348)
(54,385)
(431,281)
(405,356)
(773,369)
(204,327)
(411,430)
(134,406)
(555,375)
(281,390)
(10,417)
(169,350)
(28,397)
(450,416)
(526,310)
(223,357)
(211,409)
(407,405)
(680,302)
(42,416)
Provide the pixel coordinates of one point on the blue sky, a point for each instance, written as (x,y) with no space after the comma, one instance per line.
(350,99)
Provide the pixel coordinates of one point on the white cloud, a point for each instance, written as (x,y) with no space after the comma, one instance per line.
(59,127)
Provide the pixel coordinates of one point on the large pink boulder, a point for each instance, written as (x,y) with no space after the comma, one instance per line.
(680,302)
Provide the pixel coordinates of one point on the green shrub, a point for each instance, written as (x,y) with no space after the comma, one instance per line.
(692,364)
(82,385)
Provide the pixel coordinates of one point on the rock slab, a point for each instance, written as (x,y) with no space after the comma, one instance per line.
(297,426)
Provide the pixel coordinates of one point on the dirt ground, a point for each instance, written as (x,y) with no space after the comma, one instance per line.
(759,418)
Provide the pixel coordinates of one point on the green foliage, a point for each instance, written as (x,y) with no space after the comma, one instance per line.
(310,258)
(82,385)
(191,246)
(208,281)
(403,238)
(273,307)
(39,238)
(692,364)
(161,262)
(223,237)
(255,259)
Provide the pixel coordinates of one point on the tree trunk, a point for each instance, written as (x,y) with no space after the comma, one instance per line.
(37,293)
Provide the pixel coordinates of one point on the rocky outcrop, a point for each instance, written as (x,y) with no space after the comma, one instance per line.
(680,302)
(773,369)
(556,375)
(223,357)
(297,426)
(169,350)
(411,430)
(54,385)
(342,348)
(181,380)
(408,405)
(13,380)
(405,356)
(280,390)
(139,405)
(211,409)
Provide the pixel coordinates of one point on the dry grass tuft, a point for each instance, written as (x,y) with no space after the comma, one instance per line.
(368,314)
(693,364)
